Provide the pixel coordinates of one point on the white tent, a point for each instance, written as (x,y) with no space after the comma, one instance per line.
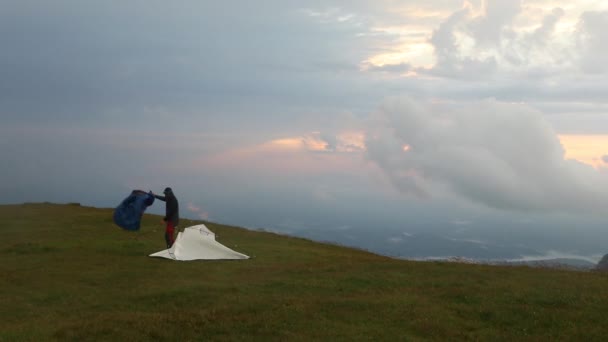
(198,243)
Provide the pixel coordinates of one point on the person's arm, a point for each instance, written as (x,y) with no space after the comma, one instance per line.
(162,198)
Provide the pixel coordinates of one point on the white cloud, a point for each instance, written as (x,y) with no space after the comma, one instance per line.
(497,154)
(200,213)
(470,240)
(448,41)
(592,38)
(558,255)
(502,36)
(400,68)
(459,222)
(498,15)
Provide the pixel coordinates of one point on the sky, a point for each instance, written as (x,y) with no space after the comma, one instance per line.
(366,123)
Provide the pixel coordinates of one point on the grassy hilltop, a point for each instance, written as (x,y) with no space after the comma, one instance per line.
(67,273)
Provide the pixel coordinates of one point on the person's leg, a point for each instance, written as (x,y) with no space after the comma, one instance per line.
(169,234)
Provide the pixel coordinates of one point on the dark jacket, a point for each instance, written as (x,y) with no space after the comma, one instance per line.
(172,207)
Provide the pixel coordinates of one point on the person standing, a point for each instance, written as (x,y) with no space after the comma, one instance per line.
(171,218)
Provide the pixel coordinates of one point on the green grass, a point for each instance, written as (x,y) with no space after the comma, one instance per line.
(68,273)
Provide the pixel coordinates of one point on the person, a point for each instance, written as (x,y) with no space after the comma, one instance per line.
(171,218)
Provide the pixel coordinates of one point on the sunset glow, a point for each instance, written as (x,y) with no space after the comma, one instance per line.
(587,149)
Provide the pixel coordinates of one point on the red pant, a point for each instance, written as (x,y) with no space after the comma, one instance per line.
(169,231)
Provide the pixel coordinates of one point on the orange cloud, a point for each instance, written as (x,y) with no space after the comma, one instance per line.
(587,149)
(288,143)
(294,154)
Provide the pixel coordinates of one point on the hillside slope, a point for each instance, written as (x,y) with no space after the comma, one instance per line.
(69,274)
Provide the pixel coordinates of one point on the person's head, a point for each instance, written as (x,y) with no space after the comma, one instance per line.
(167,191)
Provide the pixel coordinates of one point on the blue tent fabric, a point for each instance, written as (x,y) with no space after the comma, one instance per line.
(128,214)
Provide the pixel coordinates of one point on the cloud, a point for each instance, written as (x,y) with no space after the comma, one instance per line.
(459,222)
(489,29)
(500,155)
(400,68)
(322,193)
(445,43)
(197,59)
(469,240)
(502,36)
(306,154)
(198,211)
(605,158)
(542,34)
(592,36)
(585,148)
(462,43)
(549,255)
(395,239)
